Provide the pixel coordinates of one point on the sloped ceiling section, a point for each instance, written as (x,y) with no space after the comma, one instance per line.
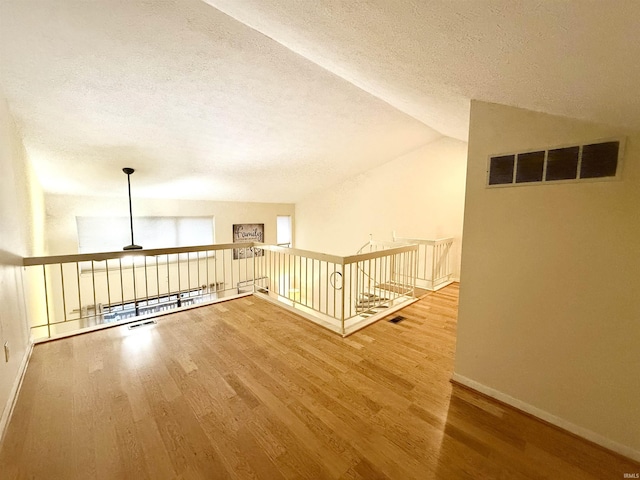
(428,58)
(201,105)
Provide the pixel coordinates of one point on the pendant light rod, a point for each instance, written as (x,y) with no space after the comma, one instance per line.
(133,246)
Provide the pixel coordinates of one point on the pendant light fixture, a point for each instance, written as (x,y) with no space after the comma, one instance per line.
(133,246)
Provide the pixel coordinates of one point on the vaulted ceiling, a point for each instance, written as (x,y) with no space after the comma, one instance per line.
(267,100)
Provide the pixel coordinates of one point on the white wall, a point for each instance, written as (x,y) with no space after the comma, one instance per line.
(61,234)
(61,229)
(417,195)
(549,303)
(21,215)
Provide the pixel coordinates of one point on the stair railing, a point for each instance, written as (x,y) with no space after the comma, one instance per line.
(367,301)
(434,265)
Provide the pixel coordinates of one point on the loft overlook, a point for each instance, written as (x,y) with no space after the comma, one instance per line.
(400,122)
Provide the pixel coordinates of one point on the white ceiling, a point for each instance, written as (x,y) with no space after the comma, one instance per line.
(266,100)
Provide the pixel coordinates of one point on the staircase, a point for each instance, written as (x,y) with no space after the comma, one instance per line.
(375,296)
(368,304)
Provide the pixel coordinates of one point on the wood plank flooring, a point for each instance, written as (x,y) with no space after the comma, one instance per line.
(246,390)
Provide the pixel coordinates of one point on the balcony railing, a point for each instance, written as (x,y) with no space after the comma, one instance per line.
(342,294)
(76,293)
(79,292)
(434,268)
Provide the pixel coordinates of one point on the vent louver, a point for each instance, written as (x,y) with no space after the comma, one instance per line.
(146,323)
(588,162)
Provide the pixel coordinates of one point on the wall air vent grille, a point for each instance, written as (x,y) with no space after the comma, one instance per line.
(575,163)
(141,324)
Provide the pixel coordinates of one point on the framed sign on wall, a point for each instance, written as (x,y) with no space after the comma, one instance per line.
(248,232)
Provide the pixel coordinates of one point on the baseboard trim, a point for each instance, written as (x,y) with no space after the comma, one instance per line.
(547,417)
(15,391)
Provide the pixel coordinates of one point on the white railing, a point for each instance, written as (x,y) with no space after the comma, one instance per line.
(434,267)
(74,293)
(342,294)
(378,283)
(398,275)
(304,280)
(84,291)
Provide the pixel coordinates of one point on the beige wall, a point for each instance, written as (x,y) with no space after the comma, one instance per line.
(21,214)
(549,304)
(417,195)
(61,229)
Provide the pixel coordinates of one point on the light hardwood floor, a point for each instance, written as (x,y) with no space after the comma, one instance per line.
(244,389)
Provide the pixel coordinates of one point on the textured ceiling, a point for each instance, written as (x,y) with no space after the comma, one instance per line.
(428,58)
(201,105)
(266,100)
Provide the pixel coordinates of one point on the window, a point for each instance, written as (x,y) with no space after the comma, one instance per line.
(283,230)
(110,234)
(599,160)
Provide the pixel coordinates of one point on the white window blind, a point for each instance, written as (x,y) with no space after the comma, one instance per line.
(110,234)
